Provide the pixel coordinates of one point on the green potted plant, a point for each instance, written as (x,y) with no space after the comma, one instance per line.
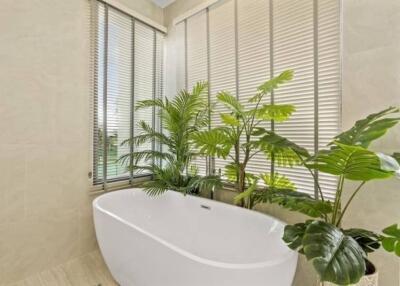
(171,165)
(339,255)
(243,136)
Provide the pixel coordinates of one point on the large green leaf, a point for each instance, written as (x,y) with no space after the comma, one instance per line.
(368,240)
(278,113)
(354,163)
(214,142)
(335,256)
(369,129)
(391,242)
(270,85)
(229,119)
(284,151)
(293,235)
(277,182)
(230,101)
(299,202)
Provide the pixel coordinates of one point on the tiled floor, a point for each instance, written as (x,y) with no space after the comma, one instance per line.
(88,270)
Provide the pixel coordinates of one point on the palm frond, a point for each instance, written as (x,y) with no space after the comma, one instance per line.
(145,155)
(147,134)
(206,183)
(155,188)
(149,103)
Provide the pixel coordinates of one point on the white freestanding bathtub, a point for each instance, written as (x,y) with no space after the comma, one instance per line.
(177,240)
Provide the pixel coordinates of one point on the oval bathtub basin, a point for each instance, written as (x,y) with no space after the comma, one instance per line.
(177,240)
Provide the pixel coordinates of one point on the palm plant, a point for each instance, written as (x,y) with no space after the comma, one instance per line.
(242,137)
(171,166)
(340,255)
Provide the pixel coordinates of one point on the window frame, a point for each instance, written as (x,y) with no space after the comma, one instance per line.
(98,184)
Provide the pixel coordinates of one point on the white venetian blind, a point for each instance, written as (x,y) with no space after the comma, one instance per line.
(197,64)
(329,88)
(222,55)
(127,68)
(180,47)
(251,41)
(254,60)
(293,41)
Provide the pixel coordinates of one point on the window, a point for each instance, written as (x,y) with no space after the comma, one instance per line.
(128,65)
(238,44)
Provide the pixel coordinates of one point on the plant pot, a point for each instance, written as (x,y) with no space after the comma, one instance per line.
(368,280)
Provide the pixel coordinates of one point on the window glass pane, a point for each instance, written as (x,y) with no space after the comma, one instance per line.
(119,91)
(128,67)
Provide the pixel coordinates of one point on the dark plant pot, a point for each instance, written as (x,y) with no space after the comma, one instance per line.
(370,279)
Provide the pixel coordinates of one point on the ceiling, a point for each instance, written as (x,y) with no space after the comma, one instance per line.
(163,3)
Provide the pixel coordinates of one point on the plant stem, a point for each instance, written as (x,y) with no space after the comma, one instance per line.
(337,199)
(313,175)
(349,201)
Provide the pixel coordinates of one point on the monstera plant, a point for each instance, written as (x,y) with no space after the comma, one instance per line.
(339,255)
(243,134)
(171,165)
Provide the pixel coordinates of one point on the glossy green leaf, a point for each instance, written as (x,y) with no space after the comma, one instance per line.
(391,242)
(335,256)
(354,163)
(369,129)
(293,235)
(368,240)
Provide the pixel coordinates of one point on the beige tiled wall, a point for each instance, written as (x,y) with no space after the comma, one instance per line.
(45,211)
(371,82)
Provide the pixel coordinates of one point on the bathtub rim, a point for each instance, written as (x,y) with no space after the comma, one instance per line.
(225,265)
